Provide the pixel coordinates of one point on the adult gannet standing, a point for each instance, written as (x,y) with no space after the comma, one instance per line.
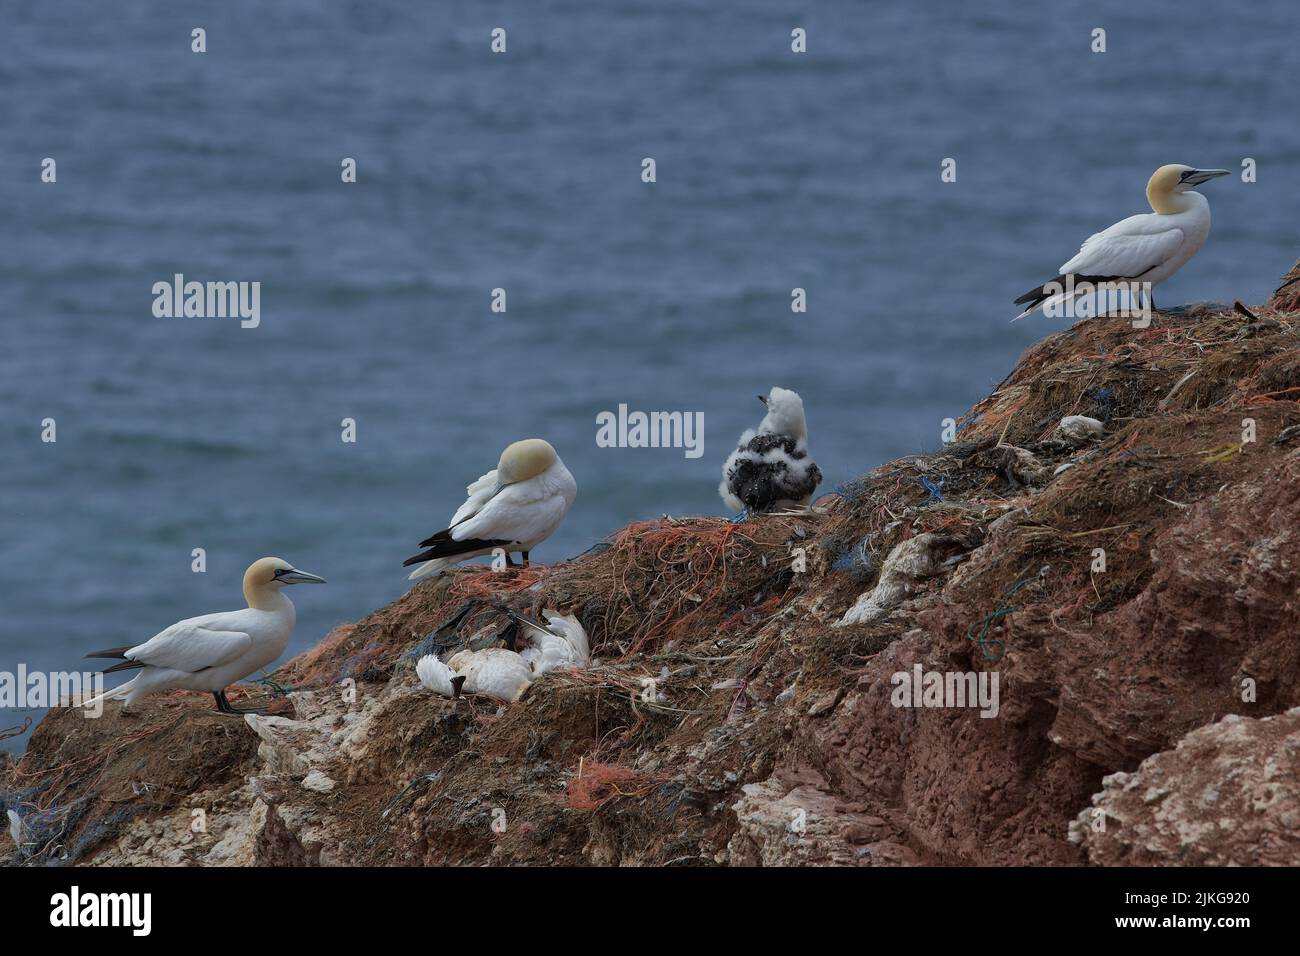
(770,468)
(516,506)
(1148,248)
(216,650)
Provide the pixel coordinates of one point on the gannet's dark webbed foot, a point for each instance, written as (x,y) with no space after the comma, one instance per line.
(525,554)
(509,636)
(223,705)
(510,563)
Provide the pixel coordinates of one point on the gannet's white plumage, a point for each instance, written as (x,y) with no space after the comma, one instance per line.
(562,644)
(213,651)
(436,676)
(505,674)
(770,468)
(1149,247)
(496,672)
(516,506)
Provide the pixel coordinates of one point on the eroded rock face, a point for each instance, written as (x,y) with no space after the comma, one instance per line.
(1226,795)
(793,823)
(964,789)
(215,829)
(1219,618)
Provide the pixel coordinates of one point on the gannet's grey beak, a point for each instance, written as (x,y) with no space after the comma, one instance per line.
(294,576)
(1197,176)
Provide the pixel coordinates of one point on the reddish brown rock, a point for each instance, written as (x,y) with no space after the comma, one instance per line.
(1226,795)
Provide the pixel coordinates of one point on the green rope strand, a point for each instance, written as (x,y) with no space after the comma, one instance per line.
(984,623)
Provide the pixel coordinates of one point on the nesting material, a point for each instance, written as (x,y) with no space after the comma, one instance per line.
(1080,429)
(15,828)
(1017,465)
(910,563)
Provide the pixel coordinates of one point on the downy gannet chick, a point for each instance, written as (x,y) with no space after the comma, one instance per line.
(516,506)
(562,644)
(770,469)
(495,672)
(216,650)
(1149,247)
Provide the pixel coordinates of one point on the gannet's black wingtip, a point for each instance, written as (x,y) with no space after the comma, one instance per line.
(450,549)
(111,652)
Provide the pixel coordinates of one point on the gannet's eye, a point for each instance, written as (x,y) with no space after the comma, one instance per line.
(279,572)
(1184,174)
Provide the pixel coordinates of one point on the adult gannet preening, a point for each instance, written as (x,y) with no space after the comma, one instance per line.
(494,671)
(516,506)
(770,468)
(503,673)
(562,643)
(1145,248)
(213,651)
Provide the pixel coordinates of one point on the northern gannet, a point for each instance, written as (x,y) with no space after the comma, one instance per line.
(213,651)
(516,506)
(770,468)
(504,673)
(562,643)
(1146,248)
(495,672)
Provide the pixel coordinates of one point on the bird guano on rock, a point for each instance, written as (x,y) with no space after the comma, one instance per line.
(770,468)
(516,507)
(213,651)
(1147,248)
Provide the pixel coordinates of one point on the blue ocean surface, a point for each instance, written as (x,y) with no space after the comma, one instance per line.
(522,171)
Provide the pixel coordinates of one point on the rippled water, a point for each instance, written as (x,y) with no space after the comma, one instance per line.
(522,171)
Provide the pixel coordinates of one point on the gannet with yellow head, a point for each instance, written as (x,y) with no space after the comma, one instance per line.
(1146,248)
(516,507)
(216,650)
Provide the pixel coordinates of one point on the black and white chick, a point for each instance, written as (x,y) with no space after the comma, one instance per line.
(770,469)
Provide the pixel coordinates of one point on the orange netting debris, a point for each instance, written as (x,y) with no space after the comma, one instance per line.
(667,578)
(484,584)
(319,665)
(598,783)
